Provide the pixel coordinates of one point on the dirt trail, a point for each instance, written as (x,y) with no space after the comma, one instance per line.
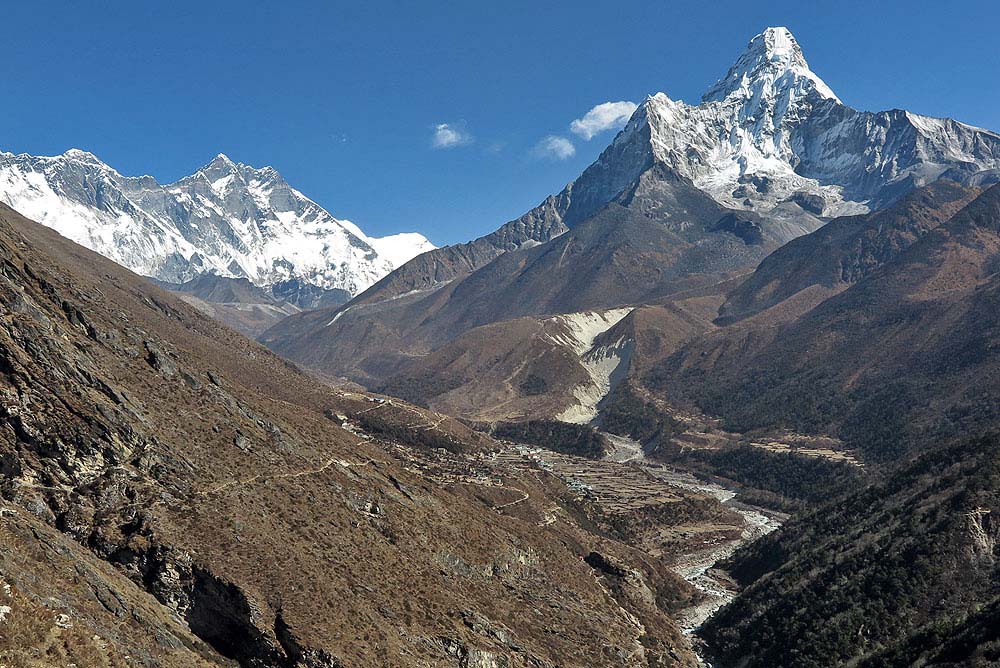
(336,459)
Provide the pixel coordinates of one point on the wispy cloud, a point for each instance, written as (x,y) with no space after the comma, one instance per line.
(554,147)
(450,135)
(605,116)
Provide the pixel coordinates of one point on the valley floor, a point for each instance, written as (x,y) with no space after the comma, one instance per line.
(626,481)
(695,561)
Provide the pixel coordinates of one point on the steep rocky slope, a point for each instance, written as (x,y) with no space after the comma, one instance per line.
(278,522)
(61,605)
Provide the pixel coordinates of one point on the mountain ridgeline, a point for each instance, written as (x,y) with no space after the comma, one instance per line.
(227,219)
(686,201)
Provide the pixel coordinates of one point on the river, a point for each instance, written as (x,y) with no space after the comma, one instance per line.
(624,477)
(696,567)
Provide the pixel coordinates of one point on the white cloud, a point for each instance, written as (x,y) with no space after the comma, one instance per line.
(450,135)
(554,147)
(605,116)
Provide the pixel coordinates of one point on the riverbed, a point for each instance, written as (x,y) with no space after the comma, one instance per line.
(625,477)
(696,567)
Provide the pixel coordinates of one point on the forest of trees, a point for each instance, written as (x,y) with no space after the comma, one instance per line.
(886,572)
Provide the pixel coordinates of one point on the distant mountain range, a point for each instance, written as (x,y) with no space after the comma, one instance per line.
(226,219)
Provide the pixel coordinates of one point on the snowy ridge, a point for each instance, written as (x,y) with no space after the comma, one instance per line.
(772,133)
(228,219)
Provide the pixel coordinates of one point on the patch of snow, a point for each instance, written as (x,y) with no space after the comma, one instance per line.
(401,248)
(339,313)
(606,365)
(220,185)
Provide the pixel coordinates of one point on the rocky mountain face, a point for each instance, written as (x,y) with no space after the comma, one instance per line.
(809,269)
(685,197)
(227,219)
(175,495)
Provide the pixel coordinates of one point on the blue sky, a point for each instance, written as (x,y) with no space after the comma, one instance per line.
(345,99)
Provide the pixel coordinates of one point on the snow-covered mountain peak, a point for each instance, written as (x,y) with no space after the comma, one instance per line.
(772,136)
(76,157)
(83,156)
(227,218)
(220,164)
(771,65)
(775,45)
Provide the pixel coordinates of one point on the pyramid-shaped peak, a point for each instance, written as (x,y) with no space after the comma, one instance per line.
(772,56)
(221,161)
(778,44)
